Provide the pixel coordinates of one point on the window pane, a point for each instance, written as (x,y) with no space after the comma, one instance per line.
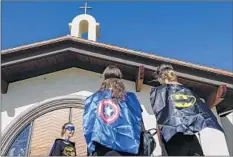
(19,147)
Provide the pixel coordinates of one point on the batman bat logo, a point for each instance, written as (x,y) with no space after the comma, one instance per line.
(69,151)
(183,100)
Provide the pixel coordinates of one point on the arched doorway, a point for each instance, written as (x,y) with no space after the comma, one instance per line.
(33,133)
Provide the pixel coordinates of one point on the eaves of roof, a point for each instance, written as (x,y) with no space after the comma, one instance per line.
(119,49)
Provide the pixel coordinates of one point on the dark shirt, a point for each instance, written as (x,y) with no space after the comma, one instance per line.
(63,147)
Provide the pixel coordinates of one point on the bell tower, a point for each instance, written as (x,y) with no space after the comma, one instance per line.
(85,23)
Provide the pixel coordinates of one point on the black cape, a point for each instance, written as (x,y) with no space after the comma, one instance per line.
(177,109)
(63,147)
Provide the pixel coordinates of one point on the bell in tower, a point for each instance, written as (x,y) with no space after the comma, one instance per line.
(85,23)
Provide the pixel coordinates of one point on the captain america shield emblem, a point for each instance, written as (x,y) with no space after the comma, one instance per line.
(108,111)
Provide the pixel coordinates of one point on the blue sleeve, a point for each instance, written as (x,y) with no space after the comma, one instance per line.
(89,117)
(133,98)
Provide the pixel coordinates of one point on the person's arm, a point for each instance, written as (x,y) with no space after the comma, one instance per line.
(163,149)
(159,134)
(56,149)
(156,106)
(75,150)
(142,123)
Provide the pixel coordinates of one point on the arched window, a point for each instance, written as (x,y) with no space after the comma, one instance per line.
(21,143)
(37,138)
(45,121)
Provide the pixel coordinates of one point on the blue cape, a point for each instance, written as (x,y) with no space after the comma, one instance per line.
(113,123)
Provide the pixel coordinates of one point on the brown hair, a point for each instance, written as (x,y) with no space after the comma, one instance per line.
(63,128)
(165,73)
(112,80)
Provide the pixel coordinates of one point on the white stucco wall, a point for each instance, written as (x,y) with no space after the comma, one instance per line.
(213,141)
(24,94)
(227,123)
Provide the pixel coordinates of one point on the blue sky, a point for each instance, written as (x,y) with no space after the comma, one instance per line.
(197,32)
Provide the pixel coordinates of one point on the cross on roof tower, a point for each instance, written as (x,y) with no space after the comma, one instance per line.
(85,8)
(85,23)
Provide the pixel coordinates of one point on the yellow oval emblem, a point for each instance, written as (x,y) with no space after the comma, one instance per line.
(183,100)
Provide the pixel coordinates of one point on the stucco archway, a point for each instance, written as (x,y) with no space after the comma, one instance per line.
(34,112)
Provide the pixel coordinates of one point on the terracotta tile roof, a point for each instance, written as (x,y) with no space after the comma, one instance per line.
(120,49)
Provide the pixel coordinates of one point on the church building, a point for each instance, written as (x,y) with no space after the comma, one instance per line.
(45,84)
